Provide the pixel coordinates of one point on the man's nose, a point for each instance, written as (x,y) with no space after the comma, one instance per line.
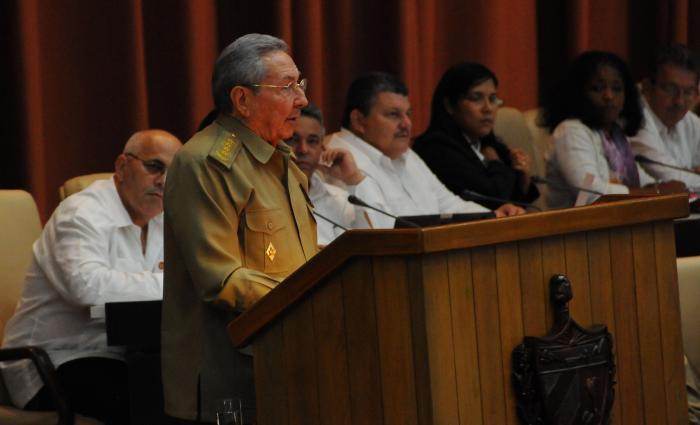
(301,147)
(300,100)
(160,179)
(405,123)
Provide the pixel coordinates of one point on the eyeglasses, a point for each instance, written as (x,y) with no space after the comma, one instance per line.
(152,166)
(480,99)
(674,91)
(287,89)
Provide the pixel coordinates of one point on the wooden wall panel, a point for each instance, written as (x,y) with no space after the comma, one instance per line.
(300,365)
(464,330)
(488,335)
(421,359)
(648,324)
(511,317)
(440,347)
(602,297)
(535,295)
(671,337)
(366,401)
(270,382)
(576,252)
(626,333)
(332,359)
(553,262)
(395,342)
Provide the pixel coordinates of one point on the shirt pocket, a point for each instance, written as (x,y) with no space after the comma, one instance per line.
(267,240)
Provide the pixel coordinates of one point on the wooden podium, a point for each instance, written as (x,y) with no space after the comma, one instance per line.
(417,326)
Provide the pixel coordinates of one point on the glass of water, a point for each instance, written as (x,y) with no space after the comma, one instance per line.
(229,411)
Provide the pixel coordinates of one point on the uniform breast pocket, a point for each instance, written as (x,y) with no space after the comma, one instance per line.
(266,239)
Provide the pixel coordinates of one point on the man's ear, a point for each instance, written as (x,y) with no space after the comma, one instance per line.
(240,100)
(119,166)
(357,122)
(646,86)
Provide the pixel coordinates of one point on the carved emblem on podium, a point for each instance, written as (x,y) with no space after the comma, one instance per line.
(565,377)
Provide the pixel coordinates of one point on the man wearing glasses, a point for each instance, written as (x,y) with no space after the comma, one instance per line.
(239,223)
(671,132)
(102,244)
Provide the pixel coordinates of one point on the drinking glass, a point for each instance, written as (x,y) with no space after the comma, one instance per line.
(229,411)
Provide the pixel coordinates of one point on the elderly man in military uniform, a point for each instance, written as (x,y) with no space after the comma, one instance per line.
(238,223)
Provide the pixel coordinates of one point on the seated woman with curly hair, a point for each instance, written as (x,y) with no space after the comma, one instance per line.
(460,146)
(591,112)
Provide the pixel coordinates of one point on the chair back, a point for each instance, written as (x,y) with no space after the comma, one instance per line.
(512,127)
(689,294)
(76,184)
(20,227)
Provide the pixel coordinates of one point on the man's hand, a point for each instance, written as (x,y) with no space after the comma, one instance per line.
(507,210)
(490,153)
(340,164)
(520,160)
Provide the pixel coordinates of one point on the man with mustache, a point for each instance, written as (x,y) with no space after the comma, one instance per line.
(377,130)
(671,132)
(331,205)
(100,245)
(237,223)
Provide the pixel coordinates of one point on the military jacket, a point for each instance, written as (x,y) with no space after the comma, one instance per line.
(238,220)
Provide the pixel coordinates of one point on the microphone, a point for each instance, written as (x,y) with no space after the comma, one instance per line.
(471,195)
(359,202)
(645,160)
(542,180)
(330,221)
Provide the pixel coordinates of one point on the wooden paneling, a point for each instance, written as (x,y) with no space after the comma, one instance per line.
(553,262)
(270,382)
(602,302)
(300,365)
(438,325)
(488,335)
(533,288)
(627,392)
(464,330)
(669,311)
(423,334)
(654,388)
(395,343)
(510,318)
(366,402)
(331,355)
(576,253)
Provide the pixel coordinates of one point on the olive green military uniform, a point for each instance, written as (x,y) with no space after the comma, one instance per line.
(237,222)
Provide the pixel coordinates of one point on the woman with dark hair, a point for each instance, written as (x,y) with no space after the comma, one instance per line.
(591,112)
(460,146)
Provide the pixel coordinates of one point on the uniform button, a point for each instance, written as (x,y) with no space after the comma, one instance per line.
(269,225)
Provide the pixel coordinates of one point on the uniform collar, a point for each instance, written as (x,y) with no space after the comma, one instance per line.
(256,145)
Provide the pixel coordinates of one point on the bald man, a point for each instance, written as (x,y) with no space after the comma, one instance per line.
(102,244)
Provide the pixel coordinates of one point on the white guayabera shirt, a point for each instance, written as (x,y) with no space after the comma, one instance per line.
(89,253)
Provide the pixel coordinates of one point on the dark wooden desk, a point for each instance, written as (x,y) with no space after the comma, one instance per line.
(136,326)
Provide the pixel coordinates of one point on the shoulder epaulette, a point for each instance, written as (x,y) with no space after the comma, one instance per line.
(225,149)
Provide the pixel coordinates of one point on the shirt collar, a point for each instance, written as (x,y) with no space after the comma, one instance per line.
(660,126)
(256,145)
(121,215)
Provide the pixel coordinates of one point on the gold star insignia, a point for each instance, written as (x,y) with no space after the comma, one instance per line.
(271,251)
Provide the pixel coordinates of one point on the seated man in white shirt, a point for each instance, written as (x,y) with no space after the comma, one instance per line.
(377,131)
(331,207)
(102,244)
(671,132)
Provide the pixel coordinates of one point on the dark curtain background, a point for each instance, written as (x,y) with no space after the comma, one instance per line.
(79,76)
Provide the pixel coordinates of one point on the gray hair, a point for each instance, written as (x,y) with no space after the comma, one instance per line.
(240,64)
